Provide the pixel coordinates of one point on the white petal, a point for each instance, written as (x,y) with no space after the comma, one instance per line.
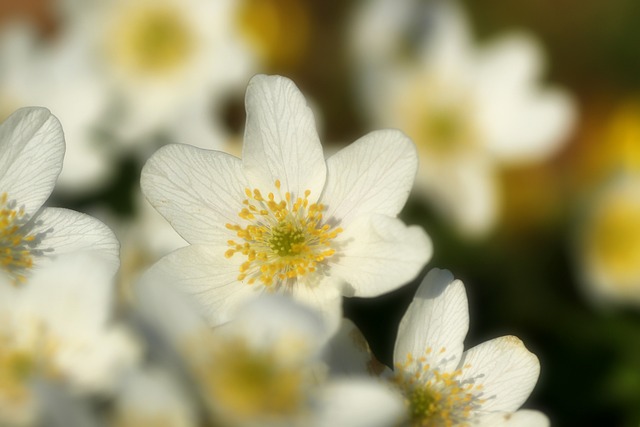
(32,147)
(465,191)
(379,255)
(505,369)
(508,65)
(323,297)
(98,363)
(171,312)
(447,52)
(152,393)
(523,418)
(348,353)
(374,175)
(72,296)
(64,231)
(437,319)
(204,273)
(281,141)
(522,122)
(533,128)
(276,324)
(197,191)
(353,402)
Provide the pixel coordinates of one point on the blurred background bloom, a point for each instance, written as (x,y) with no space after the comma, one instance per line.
(468,109)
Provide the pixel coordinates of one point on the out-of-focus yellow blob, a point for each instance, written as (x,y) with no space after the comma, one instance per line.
(277,29)
(151,39)
(608,247)
(249,384)
(614,240)
(608,146)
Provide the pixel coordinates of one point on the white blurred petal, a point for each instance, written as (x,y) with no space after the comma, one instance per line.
(352,402)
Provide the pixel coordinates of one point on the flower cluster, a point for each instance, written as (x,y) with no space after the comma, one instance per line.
(243,326)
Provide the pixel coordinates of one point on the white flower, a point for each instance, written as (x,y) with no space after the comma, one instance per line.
(58,328)
(284,219)
(469,110)
(168,62)
(444,386)
(607,247)
(266,366)
(58,76)
(31,154)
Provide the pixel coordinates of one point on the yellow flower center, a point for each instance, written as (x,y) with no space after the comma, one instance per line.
(245,383)
(283,240)
(19,362)
(615,241)
(436,398)
(16,245)
(152,40)
(15,369)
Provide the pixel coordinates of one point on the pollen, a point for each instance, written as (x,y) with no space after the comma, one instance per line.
(437,398)
(16,245)
(282,239)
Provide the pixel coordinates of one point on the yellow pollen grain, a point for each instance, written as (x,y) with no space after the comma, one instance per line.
(15,245)
(282,240)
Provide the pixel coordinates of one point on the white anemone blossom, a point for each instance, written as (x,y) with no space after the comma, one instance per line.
(284,219)
(266,366)
(31,154)
(469,110)
(58,76)
(446,386)
(58,329)
(169,63)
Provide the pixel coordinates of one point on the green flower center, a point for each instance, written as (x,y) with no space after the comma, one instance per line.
(286,239)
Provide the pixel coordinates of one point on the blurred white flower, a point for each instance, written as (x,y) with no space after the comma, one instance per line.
(469,110)
(31,154)
(607,247)
(59,77)
(442,384)
(58,328)
(169,63)
(266,366)
(283,219)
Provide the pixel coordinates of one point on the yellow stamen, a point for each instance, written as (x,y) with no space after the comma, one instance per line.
(436,397)
(16,245)
(283,240)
